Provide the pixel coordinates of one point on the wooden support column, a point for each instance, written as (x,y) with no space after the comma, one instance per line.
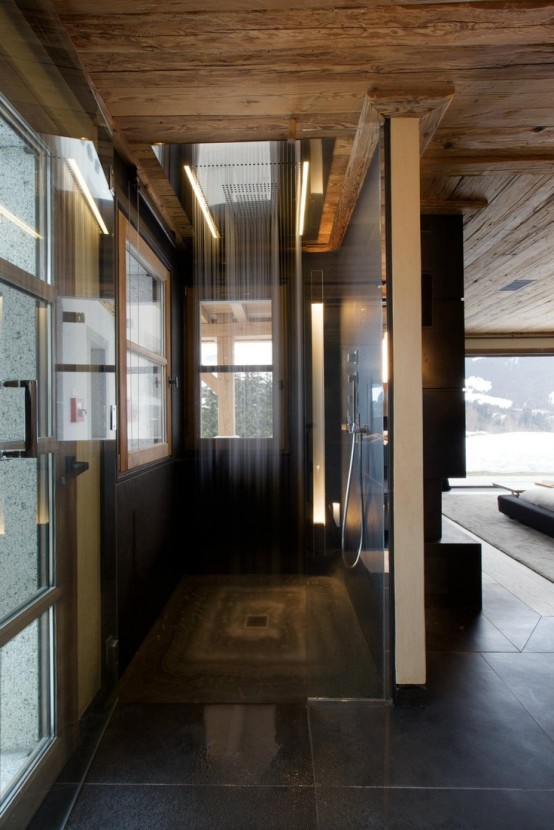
(407,407)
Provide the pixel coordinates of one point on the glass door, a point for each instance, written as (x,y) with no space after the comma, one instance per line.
(28,593)
(58,627)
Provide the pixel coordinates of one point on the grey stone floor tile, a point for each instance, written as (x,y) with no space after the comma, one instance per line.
(510,615)
(463,631)
(212,744)
(542,638)
(530,676)
(365,808)
(54,810)
(124,807)
(473,732)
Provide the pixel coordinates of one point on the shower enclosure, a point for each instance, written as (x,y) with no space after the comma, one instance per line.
(287,427)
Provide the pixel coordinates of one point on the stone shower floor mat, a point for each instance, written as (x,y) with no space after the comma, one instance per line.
(253,639)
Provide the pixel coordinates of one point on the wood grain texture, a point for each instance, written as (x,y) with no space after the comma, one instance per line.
(478,75)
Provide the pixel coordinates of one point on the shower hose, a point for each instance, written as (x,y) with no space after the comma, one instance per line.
(354,431)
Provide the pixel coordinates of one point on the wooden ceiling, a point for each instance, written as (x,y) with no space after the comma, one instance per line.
(479,75)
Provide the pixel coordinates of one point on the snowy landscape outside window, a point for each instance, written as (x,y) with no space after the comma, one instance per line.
(509,416)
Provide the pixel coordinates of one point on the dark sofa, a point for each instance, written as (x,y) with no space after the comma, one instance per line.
(529,509)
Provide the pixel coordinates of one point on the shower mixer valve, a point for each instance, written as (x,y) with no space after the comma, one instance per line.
(355,428)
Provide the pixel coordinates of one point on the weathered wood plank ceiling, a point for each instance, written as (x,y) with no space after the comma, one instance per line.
(480,75)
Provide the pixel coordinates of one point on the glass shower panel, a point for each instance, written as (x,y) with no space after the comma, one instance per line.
(347,564)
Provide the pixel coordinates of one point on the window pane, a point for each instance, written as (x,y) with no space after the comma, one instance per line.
(510,415)
(237,405)
(253,352)
(24,531)
(25,700)
(144,306)
(22,204)
(87,398)
(145,402)
(208,353)
(236,333)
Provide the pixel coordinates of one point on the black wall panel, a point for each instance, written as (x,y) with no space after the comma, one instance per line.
(444,433)
(443,361)
(442,254)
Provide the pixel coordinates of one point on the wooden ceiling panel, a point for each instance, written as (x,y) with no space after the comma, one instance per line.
(191,130)
(477,74)
(232,102)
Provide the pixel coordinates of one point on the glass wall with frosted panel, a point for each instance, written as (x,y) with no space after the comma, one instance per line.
(57,415)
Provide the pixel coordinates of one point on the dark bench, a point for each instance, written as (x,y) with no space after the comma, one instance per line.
(524,511)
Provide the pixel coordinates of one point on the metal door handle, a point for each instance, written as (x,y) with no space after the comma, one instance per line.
(27,448)
(73,468)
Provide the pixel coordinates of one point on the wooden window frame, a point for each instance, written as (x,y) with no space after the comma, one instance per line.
(131,459)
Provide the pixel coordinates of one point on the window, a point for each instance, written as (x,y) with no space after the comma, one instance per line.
(236,371)
(143,322)
(509,416)
(24,195)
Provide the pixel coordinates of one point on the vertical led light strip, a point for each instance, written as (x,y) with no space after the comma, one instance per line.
(303,197)
(79,178)
(385,358)
(200,198)
(318,414)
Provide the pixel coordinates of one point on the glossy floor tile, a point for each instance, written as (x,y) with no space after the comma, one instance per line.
(143,807)
(363,808)
(228,744)
(478,754)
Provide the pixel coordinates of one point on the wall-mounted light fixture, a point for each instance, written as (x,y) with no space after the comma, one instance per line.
(15,220)
(80,179)
(303,196)
(201,199)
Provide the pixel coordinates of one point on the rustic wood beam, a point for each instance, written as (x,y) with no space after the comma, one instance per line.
(431,120)
(196,33)
(341,154)
(292,131)
(430,107)
(195,129)
(151,178)
(456,206)
(476,163)
(161,191)
(363,148)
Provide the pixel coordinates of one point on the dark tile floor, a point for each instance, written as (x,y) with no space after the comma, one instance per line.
(478,755)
